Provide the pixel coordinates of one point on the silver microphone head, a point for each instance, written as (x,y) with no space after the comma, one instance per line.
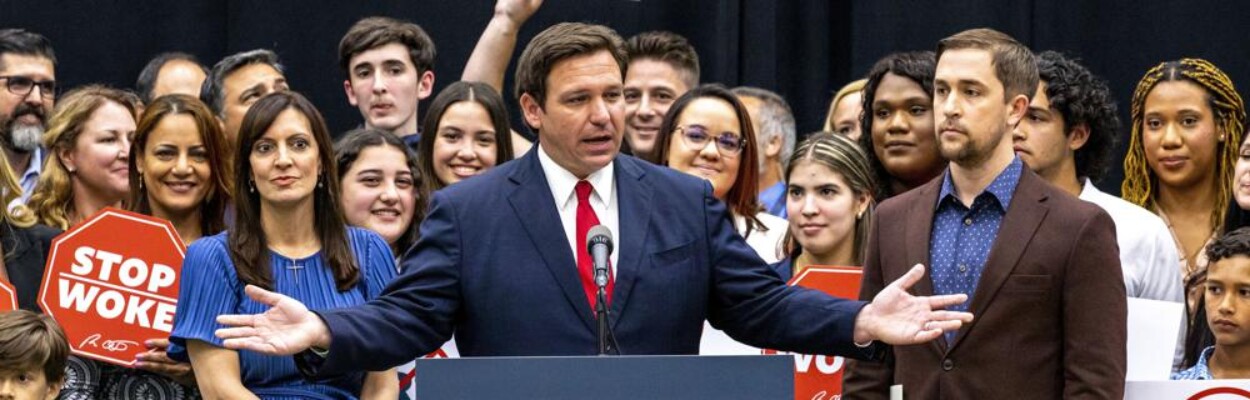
(599,234)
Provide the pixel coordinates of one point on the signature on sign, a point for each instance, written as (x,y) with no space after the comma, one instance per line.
(109,345)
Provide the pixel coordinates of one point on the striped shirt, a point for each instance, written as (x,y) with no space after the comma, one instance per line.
(210,287)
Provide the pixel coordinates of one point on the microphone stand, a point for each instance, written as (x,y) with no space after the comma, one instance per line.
(601,308)
(601,314)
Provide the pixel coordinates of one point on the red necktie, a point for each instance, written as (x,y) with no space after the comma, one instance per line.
(587,219)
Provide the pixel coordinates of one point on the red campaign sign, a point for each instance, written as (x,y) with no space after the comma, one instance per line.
(112,283)
(820,377)
(8,297)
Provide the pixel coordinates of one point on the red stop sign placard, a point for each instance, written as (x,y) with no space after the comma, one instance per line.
(820,377)
(8,297)
(112,283)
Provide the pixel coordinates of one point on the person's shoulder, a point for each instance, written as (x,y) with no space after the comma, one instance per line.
(660,177)
(356,233)
(1125,212)
(1068,205)
(213,244)
(772,222)
(42,233)
(900,202)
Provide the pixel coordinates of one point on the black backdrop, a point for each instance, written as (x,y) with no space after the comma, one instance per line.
(803,49)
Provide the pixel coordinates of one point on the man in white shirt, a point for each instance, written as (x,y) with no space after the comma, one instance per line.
(1067,138)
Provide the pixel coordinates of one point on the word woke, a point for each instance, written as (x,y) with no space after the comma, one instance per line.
(94,285)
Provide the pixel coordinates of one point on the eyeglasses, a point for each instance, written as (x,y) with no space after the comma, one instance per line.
(728,144)
(21,86)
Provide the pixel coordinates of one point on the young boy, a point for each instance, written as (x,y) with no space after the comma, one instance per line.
(1227,303)
(33,352)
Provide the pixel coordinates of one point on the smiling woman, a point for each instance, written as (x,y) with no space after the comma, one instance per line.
(89,135)
(708,134)
(178,171)
(465,134)
(382,188)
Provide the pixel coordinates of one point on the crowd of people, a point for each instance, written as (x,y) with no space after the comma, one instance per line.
(977,161)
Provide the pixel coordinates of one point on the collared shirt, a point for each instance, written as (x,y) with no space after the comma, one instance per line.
(603,200)
(774,199)
(1199,371)
(29,178)
(963,236)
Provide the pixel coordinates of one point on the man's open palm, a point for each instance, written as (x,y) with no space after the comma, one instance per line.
(286,328)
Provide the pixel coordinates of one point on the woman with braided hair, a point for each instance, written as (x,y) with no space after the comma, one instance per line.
(1187,125)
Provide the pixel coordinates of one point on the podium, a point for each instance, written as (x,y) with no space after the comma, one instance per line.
(613,377)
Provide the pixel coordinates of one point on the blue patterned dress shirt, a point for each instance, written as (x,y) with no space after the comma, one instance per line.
(963,236)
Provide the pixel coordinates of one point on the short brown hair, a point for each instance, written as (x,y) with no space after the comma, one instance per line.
(668,47)
(30,341)
(1014,65)
(557,43)
(372,32)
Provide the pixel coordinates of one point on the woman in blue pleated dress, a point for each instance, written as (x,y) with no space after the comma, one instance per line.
(290,236)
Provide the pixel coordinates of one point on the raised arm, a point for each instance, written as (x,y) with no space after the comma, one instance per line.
(490,57)
(489,61)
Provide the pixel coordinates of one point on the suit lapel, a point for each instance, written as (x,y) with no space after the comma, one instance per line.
(1024,214)
(917,231)
(634,214)
(532,202)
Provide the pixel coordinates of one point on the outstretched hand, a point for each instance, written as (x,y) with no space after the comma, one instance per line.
(897,317)
(286,328)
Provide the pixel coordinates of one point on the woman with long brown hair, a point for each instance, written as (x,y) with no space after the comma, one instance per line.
(708,133)
(289,236)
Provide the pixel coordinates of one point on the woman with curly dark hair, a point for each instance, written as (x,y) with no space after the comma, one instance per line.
(897,123)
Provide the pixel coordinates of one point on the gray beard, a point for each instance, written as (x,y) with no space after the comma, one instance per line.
(26,138)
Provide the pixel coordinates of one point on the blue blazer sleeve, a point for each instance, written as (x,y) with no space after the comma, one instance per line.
(413,316)
(753,305)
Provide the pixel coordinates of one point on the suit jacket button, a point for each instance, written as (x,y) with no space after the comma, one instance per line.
(948,365)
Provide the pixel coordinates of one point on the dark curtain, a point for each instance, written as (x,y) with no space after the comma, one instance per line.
(803,49)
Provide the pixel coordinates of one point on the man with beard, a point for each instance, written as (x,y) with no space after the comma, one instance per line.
(1040,267)
(28,73)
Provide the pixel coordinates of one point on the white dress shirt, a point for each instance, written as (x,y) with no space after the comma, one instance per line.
(603,200)
(1147,254)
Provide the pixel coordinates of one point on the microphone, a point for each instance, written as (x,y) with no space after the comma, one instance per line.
(599,244)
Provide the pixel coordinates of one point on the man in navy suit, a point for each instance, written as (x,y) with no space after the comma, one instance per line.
(497,267)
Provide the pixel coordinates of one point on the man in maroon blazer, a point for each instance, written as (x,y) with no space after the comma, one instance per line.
(1041,268)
